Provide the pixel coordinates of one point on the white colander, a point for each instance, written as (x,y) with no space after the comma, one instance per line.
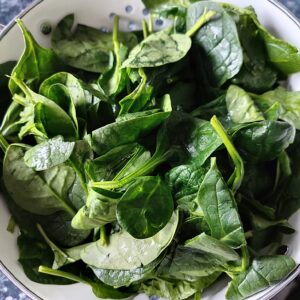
(99,14)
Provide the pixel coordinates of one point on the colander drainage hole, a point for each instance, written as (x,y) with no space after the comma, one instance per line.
(129,9)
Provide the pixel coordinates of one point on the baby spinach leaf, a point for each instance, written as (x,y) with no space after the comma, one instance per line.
(118,278)
(34,253)
(241,107)
(219,208)
(184,182)
(85,47)
(105,138)
(288,101)
(40,193)
(100,289)
(265,140)
(49,154)
(213,246)
(257,74)
(107,166)
(100,209)
(218,39)
(35,64)
(264,272)
(58,228)
(161,5)
(60,257)
(171,289)
(204,264)
(44,115)
(114,80)
(136,101)
(215,107)
(158,49)
(138,207)
(132,254)
(78,97)
(284,56)
(11,125)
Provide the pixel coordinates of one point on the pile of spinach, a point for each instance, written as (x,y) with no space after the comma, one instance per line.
(154,162)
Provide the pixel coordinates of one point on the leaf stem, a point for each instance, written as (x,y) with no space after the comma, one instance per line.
(115,36)
(150,24)
(205,17)
(103,236)
(145,29)
(58,273)
(236,178)
(109,185)
(11,225)
(3,143)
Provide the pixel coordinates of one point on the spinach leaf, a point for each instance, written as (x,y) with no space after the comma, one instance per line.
(158,49)
(241,107)
(114,80)
(58,228)
(100,289)
(125,131)
(136,101)
(265,140)
(218,39)
(283,56)
(184,182)
(32,254)
(40,193)
(132,254)
(213,246)
(257,74)
(138,207)
(118,278)
(86,48)
(161,5)
(107,166)
(100,209)
(60,257)
(219,208)
(11,124)
(288,101)
(264,272)
(43,115)
(35,64)
(177,289)
(216,107)
(49,154)
(204,264)
(78,96)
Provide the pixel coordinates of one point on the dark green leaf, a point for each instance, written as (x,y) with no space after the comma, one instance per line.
(218,39)
(265,140)
(85,47)
(35,64)
(40,193)
(219,209)
(137,210)
(264,272)
(126,131)
(158,49)
(213,246)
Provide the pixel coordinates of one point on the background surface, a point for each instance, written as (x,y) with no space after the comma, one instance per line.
(8,291)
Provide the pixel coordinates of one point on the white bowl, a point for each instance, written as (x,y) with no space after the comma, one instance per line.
(96,13)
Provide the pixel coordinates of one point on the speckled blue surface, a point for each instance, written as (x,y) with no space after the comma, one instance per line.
(8,10)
